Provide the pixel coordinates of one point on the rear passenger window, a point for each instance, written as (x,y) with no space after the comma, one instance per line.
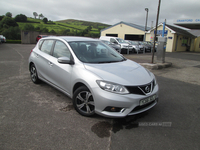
(39,45)
(61,50)
(46,46)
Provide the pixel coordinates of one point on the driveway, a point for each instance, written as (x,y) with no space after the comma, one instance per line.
(40,117)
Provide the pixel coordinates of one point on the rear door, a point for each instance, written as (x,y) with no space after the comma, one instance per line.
(43,56)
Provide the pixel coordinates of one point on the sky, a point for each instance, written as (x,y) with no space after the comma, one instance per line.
(105,11)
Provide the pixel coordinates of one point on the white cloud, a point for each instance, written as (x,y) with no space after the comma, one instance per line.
(105,11)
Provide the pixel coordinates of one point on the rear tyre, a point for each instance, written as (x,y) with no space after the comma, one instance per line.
(83,101)
(34,75)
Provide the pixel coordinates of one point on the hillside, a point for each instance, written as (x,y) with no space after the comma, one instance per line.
(84,23)
(66,27)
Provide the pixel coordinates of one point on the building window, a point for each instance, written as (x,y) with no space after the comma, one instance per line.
(184,41)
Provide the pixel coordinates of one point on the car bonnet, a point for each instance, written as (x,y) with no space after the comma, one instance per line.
(125,73)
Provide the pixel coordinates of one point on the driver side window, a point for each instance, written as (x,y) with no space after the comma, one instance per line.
(113,40)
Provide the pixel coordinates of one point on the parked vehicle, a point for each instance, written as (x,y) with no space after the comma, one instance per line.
(2,39)
(147,47)
(40,36)
(136,46)
(97,78)
(125,47)
(115,46)
(140,45)
(151,44)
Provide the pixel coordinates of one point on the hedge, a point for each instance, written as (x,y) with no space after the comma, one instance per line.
(13,41)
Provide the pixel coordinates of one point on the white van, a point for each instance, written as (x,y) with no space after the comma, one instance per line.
(124,45)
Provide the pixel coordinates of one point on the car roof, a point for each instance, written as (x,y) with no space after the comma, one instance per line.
(71,38)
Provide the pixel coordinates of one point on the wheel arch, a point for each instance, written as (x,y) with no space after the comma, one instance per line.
(30,65)
(77,85)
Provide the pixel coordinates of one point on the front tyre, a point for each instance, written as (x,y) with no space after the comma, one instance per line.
(83,101)
(34,75)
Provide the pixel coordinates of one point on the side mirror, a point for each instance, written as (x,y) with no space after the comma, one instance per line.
(65,60)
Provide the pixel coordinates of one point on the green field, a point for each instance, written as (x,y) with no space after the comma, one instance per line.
(70,24)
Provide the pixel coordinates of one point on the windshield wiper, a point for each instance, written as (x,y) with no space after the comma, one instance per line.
(114,61)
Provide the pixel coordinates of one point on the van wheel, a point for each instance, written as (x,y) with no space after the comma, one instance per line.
(83,101)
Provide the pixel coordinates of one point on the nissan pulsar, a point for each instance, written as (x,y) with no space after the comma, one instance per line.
(96,77)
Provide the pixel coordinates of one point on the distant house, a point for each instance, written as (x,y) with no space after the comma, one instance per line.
(124,30)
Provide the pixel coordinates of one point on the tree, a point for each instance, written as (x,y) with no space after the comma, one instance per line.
(21,18)
(9,14)
(45,20)
(37,28)
(45,30)
(8,21)
(12,33)
(52,32)
(41,16)
(89,28)
(1,17)
(35,14)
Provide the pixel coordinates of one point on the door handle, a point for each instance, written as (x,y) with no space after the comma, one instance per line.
(50,64)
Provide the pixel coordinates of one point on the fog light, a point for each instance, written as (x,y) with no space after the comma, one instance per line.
(114,109)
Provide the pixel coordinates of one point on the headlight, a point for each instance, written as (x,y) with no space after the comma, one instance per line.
(118,45)
(124,46)
(112,87)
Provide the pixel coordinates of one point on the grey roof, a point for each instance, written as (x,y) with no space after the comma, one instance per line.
(180,31)
(195,32)
(139,27)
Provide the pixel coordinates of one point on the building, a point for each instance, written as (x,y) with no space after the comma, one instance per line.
(124,30)
(178,39)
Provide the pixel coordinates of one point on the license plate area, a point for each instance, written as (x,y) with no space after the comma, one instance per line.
(147,100)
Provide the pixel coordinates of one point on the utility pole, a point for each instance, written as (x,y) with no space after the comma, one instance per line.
(147,10)
(152,60)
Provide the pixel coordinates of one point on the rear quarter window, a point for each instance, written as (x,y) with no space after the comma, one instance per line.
(47,46)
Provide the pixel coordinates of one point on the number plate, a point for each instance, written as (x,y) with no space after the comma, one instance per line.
(147,100)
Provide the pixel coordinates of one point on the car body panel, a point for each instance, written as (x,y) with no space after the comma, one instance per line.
(123,73)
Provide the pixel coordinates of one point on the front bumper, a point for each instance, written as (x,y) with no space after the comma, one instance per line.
(129,103)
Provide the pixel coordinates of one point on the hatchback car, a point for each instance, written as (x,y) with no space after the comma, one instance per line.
(96,77)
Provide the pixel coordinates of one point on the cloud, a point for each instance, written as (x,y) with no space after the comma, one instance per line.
(105,11)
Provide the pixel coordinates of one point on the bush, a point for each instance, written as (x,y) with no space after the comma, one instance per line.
(14,41)
(9,22)
(28,27)
(13,33)
(21,18)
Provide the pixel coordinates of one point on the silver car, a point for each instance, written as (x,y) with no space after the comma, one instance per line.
(96,77)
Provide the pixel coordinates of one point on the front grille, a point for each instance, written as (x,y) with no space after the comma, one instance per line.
(142,89)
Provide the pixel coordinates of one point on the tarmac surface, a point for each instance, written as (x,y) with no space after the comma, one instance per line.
(34,117)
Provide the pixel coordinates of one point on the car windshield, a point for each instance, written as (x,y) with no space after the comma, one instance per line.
(120,40)
(95,52)
(141,43)
(134,42)
(107,42)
